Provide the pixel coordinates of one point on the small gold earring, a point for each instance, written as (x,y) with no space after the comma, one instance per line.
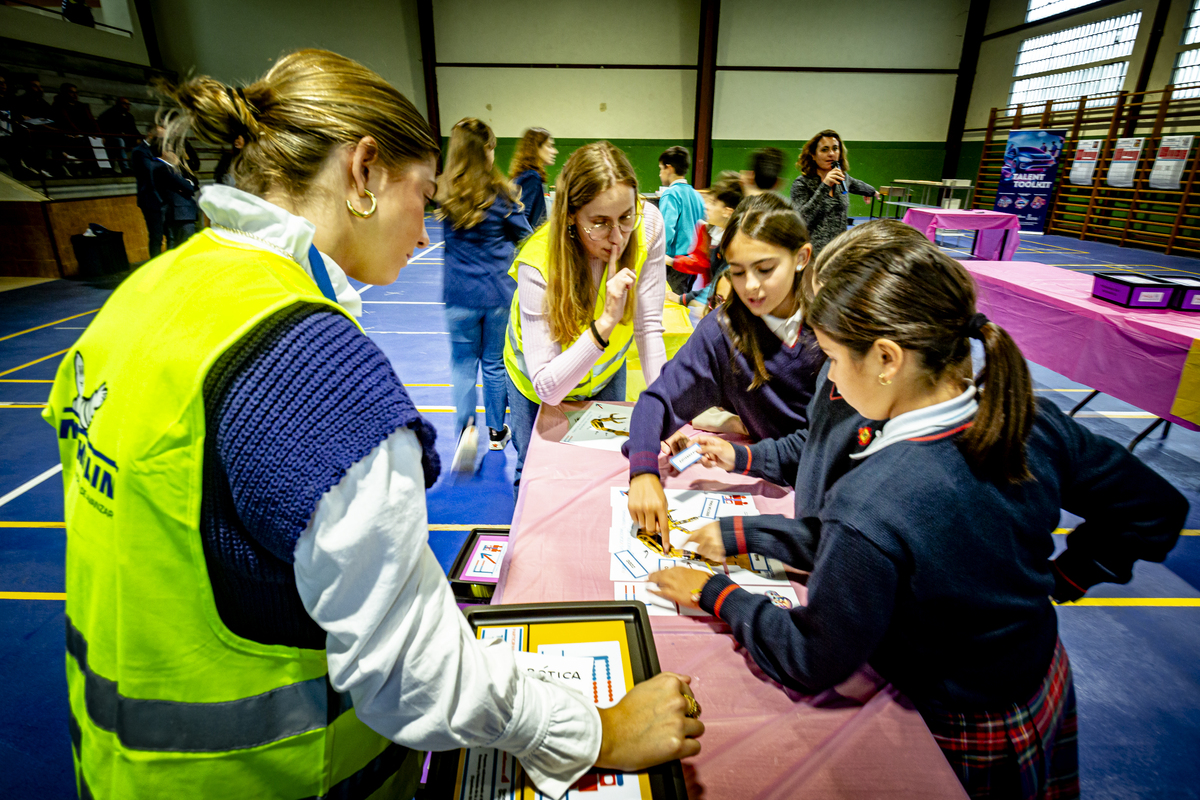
(882,382)
(362,214)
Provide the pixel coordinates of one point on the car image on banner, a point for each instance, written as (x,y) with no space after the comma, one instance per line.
(1028,175)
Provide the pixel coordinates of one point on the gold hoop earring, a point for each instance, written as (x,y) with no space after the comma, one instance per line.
(882,382)
(362,214)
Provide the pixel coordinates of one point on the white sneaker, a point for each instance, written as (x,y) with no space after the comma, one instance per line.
(464,453)
(498,439)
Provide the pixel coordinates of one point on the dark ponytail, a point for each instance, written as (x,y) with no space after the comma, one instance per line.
(904,289)
(771,219)
(995,443)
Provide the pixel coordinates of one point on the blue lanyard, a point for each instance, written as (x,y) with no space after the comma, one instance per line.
(320,274)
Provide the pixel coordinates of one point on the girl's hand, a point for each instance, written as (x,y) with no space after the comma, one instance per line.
(709,542)
(616,293)
(679,585)
(648,503)
(677,442)
(716,452)
(650,725)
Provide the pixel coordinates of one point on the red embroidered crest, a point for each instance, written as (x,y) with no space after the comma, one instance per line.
(864,435)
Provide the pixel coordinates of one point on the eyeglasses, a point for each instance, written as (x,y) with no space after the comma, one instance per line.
(600,231)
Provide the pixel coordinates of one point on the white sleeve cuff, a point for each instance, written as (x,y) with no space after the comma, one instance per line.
(568,741)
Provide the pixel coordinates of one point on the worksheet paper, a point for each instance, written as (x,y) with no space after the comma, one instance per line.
(1168,165)
(1084,165)
(1123,168)
(601,426)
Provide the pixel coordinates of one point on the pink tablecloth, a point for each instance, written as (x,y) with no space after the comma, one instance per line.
(761,741)
(1136,356)
(997,237)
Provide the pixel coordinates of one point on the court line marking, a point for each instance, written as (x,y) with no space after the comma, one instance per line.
(48,324)
(25,380)
(1134,602)
(1117,415)
(407,333)
(401,303)
(29,484)
(33,595)
(444,409)
(31,363)
(21,405)
(11,524)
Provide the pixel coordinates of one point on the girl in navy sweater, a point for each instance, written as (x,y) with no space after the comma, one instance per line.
(484,222)
(754,357)
(535,152)
(932,557)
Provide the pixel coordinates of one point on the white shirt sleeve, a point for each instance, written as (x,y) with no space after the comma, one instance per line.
(651,295)
(397,642)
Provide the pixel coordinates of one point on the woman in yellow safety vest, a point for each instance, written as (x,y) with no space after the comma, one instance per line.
(252,606)
(590,282)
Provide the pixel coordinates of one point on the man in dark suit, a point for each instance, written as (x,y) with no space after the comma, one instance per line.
(145,164)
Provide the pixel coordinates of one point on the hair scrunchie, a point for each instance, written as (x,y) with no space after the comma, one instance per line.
(975,325)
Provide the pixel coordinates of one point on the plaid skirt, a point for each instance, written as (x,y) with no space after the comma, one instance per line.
(1026,751)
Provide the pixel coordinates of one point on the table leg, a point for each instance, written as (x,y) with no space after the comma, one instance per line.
(1079,406)
(1149,429)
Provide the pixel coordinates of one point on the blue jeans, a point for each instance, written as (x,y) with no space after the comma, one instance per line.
(477,334)
(523,411)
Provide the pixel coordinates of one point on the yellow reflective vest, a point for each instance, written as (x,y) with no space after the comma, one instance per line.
(535,253)
(165,700)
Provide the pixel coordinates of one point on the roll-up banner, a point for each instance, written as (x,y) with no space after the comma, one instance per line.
(1084,165)
(1168,165)
(1124,164)
(1028,176)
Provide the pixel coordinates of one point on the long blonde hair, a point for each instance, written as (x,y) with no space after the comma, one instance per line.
(527,156)
(469,184)
(308,104)
(570,296)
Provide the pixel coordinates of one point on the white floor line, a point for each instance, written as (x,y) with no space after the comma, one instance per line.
(27,485)
(412,333)
(402,303)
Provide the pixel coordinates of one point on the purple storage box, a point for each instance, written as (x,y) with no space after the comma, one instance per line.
(1187,292)
(1132,291)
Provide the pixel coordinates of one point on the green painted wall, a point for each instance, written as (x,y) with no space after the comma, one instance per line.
(877,163)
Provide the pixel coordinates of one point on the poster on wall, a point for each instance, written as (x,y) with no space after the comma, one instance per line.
(1170,161)
(1124,164)
(1028,175)
(1084,166)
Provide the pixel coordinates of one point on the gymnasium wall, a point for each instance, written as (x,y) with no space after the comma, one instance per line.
(998,56)
(27,26)
(236,41)
(894,124)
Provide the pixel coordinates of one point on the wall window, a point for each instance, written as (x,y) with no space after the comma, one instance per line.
(1066,64)
(1187,63)
(1040,9)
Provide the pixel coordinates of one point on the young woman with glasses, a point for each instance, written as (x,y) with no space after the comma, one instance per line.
(589,283)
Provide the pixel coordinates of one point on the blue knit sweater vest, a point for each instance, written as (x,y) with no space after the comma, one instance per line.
(289,409)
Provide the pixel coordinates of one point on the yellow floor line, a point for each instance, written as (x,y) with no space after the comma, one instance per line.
(31,363)
(22,405)
(10,524)
(449,527)
(25,380)
(1136,602)
(48,324)
(33,595)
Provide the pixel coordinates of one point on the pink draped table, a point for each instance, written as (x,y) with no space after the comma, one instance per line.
(762,741)
(1147,358)
(997,234)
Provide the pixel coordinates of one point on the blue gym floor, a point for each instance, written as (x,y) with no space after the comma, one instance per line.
(1136,657)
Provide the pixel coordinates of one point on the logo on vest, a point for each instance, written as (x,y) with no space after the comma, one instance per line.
(93,467)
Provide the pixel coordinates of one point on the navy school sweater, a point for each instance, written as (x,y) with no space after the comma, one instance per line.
(533,196)
(708,372)
(938,578)
(477,259)
(287,410)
